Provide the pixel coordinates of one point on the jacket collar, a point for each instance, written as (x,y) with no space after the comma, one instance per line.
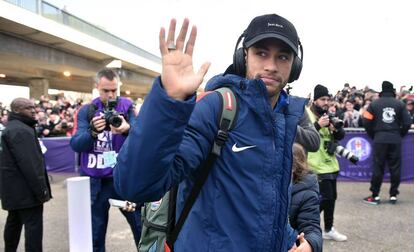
(24,119)
(387,94)
(254,87)
(282,101)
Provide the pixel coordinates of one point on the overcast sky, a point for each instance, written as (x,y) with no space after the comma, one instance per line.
(362,42)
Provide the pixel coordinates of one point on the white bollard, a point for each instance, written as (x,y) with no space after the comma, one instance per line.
(79,214)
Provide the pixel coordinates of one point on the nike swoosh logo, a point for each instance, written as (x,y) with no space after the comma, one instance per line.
(238,149)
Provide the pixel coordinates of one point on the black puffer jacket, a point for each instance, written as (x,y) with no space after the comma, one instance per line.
(304,211)
(24,179)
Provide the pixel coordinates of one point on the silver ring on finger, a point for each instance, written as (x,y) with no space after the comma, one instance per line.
(171,46)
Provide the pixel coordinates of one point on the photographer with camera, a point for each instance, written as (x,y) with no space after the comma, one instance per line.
(324,163)
(102,128)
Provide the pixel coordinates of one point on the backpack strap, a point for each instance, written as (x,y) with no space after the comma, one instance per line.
(227,120)
(227,117)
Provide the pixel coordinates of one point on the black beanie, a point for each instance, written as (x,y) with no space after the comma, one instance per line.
(387,87)
(320,91)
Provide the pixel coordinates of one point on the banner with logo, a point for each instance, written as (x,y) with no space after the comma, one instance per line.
(361,145)
(61,158)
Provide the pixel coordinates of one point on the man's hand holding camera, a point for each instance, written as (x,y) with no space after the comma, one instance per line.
(324,121)
(123,128)
(99,124)
(328,120)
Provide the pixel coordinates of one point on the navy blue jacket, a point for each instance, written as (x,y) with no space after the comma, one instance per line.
(243,206)
(304,215)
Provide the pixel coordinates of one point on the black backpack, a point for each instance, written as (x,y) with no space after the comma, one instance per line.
(160,229)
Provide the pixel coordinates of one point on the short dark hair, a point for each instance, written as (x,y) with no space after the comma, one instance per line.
(351,100)
(108,73)
(19,103)
(299,165)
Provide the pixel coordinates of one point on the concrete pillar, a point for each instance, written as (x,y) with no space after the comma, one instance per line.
(38,87)
(39,7)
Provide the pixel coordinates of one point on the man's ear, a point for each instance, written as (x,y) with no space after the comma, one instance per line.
(245,59)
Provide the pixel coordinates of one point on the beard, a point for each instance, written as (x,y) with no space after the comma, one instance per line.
(320,110)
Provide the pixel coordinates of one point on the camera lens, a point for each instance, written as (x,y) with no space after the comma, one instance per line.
(115,121)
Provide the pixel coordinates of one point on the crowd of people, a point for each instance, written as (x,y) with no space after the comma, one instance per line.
(350,103)
(56,116)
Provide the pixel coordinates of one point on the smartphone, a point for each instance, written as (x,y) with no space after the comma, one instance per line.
(120,203)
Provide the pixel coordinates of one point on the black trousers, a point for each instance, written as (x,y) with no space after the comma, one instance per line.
(32,220)
(390,153)
(103,189)
(328,195)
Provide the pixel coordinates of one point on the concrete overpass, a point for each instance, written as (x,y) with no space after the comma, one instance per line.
(39,42)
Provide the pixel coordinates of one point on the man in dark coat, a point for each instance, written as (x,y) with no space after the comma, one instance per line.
(25,185)
(386,121)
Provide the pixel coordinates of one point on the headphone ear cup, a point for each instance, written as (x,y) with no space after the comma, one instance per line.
(239,62)
(296,69)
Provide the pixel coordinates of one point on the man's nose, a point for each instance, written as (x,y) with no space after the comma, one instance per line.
(111,95)
(271,65)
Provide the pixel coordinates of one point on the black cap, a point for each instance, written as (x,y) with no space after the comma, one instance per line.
(271,26)
(320,91)
(387,87)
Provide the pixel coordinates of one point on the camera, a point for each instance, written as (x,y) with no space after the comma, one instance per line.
(64,125)
(110,115)
(335,121)
(333,147)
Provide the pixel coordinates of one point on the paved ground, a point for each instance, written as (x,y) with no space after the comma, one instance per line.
(382,228)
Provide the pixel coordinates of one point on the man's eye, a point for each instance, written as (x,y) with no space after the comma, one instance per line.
(284,57)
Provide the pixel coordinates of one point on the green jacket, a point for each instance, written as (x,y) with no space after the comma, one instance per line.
(321,162)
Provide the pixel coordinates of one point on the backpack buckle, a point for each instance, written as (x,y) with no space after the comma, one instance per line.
(219,141)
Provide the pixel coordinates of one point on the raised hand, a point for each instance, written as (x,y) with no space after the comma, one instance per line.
(178,76)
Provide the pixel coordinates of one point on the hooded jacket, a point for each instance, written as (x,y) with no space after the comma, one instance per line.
(243,205)
(304,213)
(387,120)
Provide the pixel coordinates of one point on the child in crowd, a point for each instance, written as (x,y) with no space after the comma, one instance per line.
(304,213)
